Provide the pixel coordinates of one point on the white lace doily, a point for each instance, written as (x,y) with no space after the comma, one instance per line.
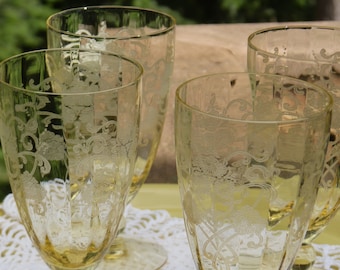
(17,252)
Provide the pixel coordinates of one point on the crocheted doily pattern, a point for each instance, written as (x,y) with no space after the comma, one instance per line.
(153,226)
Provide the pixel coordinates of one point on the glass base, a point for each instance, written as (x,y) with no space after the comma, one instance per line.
(134,254)
(305,258)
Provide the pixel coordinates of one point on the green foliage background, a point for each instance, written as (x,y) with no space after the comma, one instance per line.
(22,22)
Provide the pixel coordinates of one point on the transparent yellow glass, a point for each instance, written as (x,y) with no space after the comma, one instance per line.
(69,132)
(309,53)
(149,37)
(250,150)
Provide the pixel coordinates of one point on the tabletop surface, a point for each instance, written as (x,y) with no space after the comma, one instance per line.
(166,196)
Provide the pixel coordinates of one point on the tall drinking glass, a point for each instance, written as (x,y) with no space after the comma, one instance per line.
(310,53)
(69,133)
(149,37)
(250,151)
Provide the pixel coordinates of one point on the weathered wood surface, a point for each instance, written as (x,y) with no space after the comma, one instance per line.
(202,49)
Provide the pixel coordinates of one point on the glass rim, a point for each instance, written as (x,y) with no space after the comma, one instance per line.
(285,27)
(136,79)
(157,32)
(183,103)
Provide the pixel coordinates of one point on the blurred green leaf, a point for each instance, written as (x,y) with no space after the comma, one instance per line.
(22,25)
